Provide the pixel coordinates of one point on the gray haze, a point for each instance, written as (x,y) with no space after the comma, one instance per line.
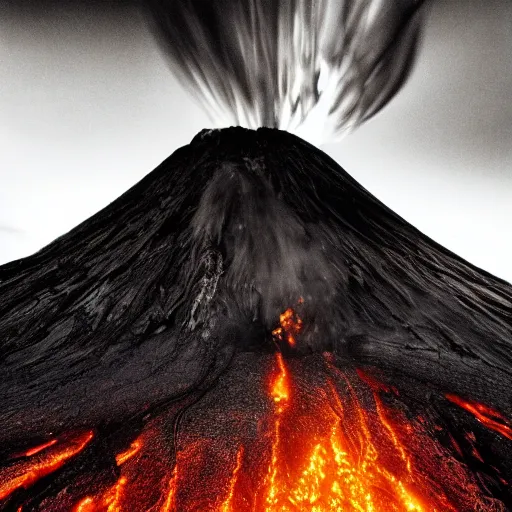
(88,106)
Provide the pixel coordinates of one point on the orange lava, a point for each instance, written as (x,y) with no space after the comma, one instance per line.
(290,326)
(40,448)
(25,473)
(128,454)
(169,503)
(489,417)
(280,392)
(331,477)
(109,502)
(227,505)
(86,505)
(325,440)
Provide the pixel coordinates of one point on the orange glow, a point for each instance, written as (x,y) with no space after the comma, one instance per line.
(392,434)
(121,458)
(86,505)
(332,477)
(227,506)
(40,448)
(280,388)
(321,439)
(110,502)
(290,326)
(26,473)
(489,417)
(374,383)
(113,497)
(169,503)
(346,450)
(280,392)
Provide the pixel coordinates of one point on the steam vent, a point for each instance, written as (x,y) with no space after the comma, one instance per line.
(249,330)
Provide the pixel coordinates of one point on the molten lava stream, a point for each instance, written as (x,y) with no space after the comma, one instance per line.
(317,440)
(317,466)
(42,460)
(318,454)
(146,481)
(492,419)
(332,445)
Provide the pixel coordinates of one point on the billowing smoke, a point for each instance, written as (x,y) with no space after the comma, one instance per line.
(314,68)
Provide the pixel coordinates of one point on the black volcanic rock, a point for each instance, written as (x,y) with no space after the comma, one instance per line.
(149,301)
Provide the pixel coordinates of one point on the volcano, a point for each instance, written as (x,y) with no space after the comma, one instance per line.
(249,329)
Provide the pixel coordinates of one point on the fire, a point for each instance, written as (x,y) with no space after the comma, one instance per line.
(290,325)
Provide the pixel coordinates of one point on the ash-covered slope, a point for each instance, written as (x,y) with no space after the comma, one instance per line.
(149,301)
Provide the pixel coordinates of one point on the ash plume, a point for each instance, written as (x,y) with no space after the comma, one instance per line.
(314,68)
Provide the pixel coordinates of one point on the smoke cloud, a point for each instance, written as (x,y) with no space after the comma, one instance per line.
(316,69)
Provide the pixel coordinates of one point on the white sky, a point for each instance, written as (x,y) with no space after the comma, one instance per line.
(88,107)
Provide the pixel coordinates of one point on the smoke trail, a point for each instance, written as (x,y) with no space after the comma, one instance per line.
(316,68)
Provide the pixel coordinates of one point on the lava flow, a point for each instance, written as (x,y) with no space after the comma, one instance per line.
(332,476)
(332,447)
(492,419)
(318,439)
(42,461)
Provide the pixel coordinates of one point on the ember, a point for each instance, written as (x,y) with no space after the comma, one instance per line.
(290,326)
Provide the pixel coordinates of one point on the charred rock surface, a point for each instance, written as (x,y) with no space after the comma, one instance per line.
(138,315)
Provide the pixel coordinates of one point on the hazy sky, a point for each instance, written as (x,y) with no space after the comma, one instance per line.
(88,106)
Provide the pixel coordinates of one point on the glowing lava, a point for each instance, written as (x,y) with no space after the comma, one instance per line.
(40,448)
(290,326)
(280,393)
(109,502)
(169,503)
(227,506)
(332,475)
(128,454)
(319,439)
(489,417)
(25,473)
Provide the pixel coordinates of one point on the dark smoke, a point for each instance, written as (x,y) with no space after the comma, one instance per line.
(317,68)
